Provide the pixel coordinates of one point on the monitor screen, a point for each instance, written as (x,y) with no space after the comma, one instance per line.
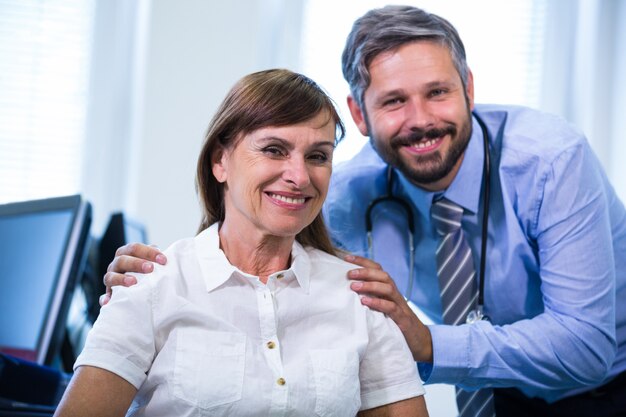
(42,248)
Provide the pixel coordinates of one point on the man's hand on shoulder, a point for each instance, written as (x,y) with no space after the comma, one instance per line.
(378,291)
(132,257)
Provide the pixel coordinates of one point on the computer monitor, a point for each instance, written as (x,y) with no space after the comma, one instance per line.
(42,252)
(119,231)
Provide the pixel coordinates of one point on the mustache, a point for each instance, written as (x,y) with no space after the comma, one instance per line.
(417,135)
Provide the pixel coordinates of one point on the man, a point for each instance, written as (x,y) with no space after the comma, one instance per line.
(555,341)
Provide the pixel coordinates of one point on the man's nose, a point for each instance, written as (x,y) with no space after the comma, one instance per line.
(418,115)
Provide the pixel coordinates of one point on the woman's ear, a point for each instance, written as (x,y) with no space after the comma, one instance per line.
(219,162)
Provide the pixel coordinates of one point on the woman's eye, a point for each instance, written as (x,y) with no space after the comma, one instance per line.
(319,157)
(273,150)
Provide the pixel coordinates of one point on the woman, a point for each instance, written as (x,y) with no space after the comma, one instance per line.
(253,316)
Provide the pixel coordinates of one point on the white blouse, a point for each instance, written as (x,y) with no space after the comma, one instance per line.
(199,337)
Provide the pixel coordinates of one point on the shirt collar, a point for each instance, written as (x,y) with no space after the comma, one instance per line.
(216,269)
(301,265)
(463,190)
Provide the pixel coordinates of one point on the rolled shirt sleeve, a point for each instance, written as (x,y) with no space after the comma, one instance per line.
(388,373)
(122,339)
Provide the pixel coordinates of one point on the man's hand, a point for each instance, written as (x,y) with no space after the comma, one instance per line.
(379,292)
(132,257)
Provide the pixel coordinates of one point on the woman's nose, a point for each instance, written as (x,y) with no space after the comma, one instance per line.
(297,172)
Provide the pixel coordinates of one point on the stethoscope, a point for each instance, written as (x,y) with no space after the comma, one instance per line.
(476,314)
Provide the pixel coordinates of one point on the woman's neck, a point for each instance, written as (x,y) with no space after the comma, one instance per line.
(256,255)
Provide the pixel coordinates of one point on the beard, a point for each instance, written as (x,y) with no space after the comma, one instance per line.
(425,169)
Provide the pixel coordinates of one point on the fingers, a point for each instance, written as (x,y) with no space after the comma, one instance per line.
(361,261)
(125,263)
(133,257)
(378,291)
(141,251)
(385,306)
(373,280)
(396,310)
(104,299)
(376,288)
(112,279)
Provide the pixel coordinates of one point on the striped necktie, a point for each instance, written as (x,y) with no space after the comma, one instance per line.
(458,290)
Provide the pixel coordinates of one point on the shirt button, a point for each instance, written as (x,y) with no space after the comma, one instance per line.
(280,276)
(281,381)
(271,345)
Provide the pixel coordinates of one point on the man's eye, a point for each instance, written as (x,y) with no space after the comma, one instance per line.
(437,92)
(393,101)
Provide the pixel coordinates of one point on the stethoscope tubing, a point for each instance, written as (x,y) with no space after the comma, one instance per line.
(485,223)
(406,207)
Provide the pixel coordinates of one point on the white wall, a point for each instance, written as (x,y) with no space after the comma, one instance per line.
(179,61)
(197,50)
(188,69)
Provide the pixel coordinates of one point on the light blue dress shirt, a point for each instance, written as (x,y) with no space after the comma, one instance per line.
(556,255)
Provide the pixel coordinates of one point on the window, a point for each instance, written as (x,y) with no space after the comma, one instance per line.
(44,76)
(503,41)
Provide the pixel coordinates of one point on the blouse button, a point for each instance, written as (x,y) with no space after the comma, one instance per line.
(271,345)
(281,381)
(280,276)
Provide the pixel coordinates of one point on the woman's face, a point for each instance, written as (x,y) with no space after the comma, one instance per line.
(276,178)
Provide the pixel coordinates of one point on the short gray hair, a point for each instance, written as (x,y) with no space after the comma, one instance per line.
(388,28)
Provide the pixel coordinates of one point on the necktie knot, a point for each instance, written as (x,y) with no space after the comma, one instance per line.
(446,216)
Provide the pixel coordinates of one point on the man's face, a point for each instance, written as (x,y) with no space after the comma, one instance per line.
(417,113)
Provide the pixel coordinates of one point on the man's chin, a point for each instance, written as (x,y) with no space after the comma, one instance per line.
(424,178)
(419,169)
(423,170)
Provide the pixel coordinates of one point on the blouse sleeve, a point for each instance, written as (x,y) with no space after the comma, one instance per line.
(122,338)
(387,372)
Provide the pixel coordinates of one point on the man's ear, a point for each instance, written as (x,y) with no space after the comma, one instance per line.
(469,89)
(357,116)
(219,164)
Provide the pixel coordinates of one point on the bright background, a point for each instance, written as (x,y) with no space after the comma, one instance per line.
(111,98)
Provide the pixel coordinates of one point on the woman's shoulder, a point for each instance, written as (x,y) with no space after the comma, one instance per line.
(324,258)
(329,271)
(177,254)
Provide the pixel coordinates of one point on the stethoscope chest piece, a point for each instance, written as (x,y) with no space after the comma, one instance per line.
(476,315)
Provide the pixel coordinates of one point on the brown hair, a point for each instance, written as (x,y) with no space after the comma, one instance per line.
(276,97)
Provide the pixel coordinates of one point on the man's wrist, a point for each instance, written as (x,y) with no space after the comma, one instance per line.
(422,344)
